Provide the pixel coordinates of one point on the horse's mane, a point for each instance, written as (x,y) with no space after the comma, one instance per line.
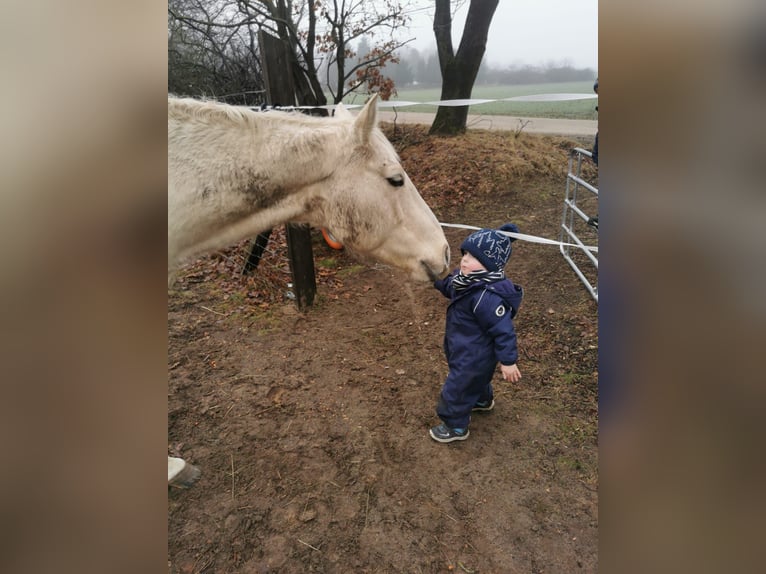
(210,109)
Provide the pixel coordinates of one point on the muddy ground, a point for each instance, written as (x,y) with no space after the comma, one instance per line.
(311,428)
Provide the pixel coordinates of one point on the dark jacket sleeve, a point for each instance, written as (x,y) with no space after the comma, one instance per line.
(494,316)
(443,285)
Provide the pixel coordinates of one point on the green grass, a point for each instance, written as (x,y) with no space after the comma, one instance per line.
(575,109)
(353,269)
(569,462)
(327,263)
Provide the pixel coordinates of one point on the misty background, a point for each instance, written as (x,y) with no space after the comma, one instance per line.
(544,33)
(549,41)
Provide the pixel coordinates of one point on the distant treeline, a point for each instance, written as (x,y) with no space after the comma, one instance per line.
(534,75)
(422,69)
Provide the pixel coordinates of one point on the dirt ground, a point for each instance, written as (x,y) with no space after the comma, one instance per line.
(311,428)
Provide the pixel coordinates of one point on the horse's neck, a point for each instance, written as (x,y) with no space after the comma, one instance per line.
(248,177)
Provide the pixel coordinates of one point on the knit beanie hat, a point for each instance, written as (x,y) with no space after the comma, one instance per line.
(491,248)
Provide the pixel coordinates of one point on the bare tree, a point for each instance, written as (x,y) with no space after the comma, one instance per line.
(205,59)
(295,24)
(459,69)
(349,21)
(319,35)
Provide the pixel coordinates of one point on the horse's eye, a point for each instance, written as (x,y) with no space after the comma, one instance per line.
(396,181)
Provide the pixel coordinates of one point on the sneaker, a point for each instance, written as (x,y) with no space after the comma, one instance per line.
(484,406)
(442,433)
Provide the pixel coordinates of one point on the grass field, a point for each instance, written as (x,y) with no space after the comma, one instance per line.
(574,109)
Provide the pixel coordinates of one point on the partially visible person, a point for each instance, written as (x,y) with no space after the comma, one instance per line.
(594,152)
(479,330)
(593,221)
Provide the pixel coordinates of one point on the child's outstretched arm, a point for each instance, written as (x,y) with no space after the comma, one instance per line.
(443,285)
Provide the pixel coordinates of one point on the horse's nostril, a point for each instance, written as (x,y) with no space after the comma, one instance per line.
(446,255)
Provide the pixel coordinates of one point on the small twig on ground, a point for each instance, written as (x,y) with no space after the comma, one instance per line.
(204,566)
(266,409)
(236,378)
(522,125)
(366,507)
(309,545)
(480,120)
(232,477)
(527,356)
(450,517)
(213,311)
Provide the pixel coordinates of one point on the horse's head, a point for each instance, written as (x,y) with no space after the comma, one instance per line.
(373,208)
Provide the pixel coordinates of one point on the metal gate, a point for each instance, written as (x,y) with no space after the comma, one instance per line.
(581,197)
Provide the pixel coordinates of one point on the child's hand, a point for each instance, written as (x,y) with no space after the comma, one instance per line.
(511,373)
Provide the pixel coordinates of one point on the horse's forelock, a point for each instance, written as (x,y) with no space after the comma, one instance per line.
(378,147)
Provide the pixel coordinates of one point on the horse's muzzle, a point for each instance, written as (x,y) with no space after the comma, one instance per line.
(433,275)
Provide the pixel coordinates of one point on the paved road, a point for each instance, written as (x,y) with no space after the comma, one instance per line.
(504,123)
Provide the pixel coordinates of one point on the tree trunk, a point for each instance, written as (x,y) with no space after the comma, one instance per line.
(459,70)
(307,89)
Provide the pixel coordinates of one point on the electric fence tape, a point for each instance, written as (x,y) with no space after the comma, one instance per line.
(523,236)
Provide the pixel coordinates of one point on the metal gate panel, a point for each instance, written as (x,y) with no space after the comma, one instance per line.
(581,196)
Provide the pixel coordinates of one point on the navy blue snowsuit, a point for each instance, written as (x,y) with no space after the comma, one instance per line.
(479,333)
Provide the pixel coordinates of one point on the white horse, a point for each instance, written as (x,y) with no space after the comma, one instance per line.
(233,173)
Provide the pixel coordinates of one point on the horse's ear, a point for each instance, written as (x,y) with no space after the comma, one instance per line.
(341,111)
(367,119)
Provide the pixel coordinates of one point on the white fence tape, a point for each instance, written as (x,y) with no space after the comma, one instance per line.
(475,102)
(523,236)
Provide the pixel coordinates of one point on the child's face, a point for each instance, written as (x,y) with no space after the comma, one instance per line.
(469,264)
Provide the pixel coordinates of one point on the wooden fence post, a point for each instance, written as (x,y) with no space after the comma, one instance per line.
(301,264)
(257,247)
(277,74)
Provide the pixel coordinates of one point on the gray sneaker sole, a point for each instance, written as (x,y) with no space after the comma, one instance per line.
(450,439)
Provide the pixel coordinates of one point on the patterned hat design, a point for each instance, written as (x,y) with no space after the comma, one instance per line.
(491,248)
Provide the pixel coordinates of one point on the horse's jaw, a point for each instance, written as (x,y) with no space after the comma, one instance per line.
(431,274)
(426,266)
(423,270)
(431,270)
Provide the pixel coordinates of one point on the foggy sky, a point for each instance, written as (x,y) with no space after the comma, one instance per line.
(523,32)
